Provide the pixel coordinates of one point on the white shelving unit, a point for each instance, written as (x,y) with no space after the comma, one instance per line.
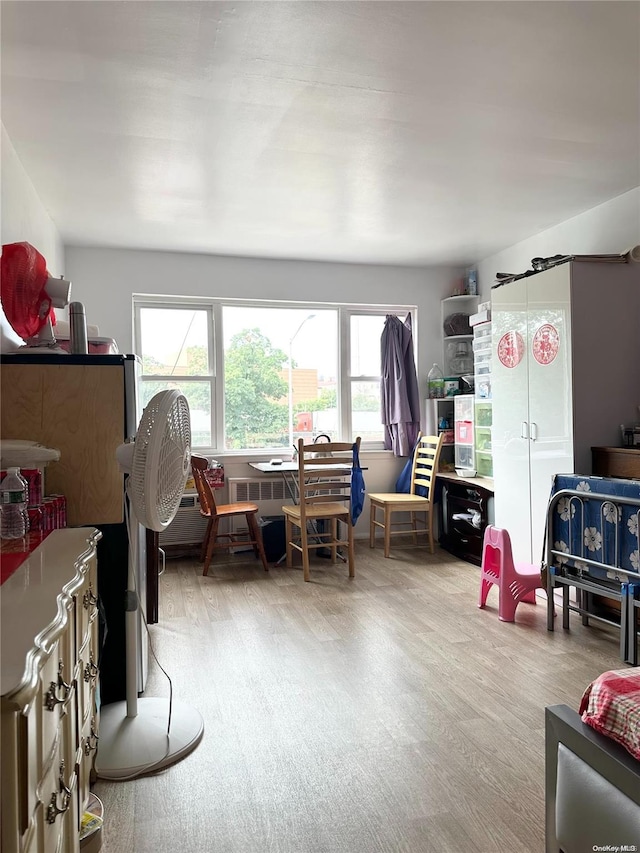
(465,461)
(482,354)
(457,353)
(440,409)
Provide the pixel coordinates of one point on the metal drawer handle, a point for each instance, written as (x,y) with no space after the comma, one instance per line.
(91,742)
(52,810)
(51,698)
(90,670)
(89,599)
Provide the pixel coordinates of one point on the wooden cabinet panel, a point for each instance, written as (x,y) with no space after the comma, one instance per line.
(79,410)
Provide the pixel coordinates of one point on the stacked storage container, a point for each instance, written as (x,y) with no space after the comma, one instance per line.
(483,420)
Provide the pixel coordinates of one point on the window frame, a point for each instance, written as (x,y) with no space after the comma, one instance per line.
(214,307)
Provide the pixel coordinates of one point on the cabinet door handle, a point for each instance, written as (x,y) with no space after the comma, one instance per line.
(90,670)
(534,431)
(52,810)
(91,742)
(51,698)
(524,430)
(164,561)
(89,599)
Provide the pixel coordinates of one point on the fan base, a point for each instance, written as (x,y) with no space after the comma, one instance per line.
(134,746)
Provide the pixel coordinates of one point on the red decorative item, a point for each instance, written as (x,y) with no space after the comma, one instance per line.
(546,343)
(22,290)
(215,476)
(511,349)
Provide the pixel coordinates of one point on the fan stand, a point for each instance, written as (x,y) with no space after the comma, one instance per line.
(133,734)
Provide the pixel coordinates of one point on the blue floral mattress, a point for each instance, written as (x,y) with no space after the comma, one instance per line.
(593,524)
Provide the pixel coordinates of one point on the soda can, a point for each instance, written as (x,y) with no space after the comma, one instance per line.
(36,517)
(49,507)
(60,511)
(33,476)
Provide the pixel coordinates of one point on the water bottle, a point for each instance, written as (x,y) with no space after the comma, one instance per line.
(14,521)
(435,382)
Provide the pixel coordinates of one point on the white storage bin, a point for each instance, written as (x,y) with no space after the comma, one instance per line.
(482,345)
(482,363)
(482,332)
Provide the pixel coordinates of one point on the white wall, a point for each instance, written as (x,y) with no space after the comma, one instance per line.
(610,228)
(106,279)
(25,220)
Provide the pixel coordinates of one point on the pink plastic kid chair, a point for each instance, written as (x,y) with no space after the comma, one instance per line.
(515,583)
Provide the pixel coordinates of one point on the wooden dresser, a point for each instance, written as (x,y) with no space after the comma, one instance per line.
(49,675)
(616,462)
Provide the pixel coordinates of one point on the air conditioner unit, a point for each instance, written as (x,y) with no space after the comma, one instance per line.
(269,493)
(188,527)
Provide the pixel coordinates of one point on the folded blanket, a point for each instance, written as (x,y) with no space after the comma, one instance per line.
(611,705)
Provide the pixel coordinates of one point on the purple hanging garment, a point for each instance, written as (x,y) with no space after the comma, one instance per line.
(400,400)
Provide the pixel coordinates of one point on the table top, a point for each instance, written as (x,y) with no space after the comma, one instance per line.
(292,467)
(485,482)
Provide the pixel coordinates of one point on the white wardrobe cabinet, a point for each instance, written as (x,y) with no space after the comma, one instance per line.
(566,374)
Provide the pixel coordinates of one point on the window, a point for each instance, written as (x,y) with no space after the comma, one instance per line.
(258,376)
(176,349)
(364,375)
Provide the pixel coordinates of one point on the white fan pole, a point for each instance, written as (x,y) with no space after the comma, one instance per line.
(133,734)
(136,736)
(131,629)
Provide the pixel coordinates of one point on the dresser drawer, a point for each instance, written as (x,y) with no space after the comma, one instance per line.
(86,758)
(56,689)
(87,680)
(86,609)
(49,652)
(56,812)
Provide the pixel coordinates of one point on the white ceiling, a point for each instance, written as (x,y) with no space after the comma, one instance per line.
(399,132)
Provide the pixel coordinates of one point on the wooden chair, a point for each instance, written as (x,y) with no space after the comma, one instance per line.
(215,513)
(425,467)
(324,483)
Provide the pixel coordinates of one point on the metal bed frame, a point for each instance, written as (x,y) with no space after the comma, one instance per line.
(624,587)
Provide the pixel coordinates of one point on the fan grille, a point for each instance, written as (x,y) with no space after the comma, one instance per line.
(161,457)
(22,288)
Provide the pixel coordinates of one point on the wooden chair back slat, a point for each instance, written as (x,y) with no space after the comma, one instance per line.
(205,493)
(425,462)
(332,485)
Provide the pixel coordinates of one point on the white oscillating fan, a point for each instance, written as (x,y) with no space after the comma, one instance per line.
(144,735)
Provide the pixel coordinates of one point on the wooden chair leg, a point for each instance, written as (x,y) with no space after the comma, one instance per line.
(210,545)
(256,535)
(372,526)
(351,554)
(414,526)
(304,543)
(387,531)
(334,539)
(288,536)
(205,541)
(430,528)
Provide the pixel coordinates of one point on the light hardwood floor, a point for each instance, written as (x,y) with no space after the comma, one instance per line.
(384,713)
